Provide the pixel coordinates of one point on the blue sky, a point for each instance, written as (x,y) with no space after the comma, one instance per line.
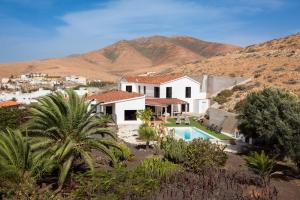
(37,29)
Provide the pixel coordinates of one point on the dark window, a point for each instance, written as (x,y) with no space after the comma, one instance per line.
(128,88)
(187,92)
(168,92)
(139,89)
(156,92)
(130,115)
(108,110)
(145,90)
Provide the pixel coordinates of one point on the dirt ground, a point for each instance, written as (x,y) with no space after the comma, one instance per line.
(287,186)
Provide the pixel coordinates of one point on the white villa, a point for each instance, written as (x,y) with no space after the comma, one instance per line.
(166,95)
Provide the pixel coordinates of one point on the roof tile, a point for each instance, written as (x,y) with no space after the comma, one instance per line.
(151,79)
(112,96)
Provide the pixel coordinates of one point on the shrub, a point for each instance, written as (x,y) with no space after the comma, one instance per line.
(214,184)
(174,150)
(239,88)
(124,184)
(11,117)
(122,153)
(290,81)
(201,154)
(261,164)
(146,133)
(156,168)
(271,116)
(223,96)
(145,115)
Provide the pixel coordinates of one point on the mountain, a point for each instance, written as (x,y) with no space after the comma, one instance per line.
(274,63)
(157,53)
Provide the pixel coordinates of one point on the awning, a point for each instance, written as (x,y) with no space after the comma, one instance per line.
(162,102)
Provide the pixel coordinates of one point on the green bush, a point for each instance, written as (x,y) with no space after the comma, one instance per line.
(147,133)
(260,163)
(174,150)
(272,117)
(156,168)
(122,153)
(223,96)
(203,154)
(123,183)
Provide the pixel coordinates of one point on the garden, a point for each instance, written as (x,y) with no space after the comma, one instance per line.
(60,150)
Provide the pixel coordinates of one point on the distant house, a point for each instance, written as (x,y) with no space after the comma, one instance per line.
(76,79)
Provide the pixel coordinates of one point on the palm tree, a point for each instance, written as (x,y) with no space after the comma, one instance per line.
(63,125)
(147,133)
(261,164)
(17,160)
(145,115)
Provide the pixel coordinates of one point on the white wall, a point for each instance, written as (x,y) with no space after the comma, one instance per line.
(135,87)
(134,104)
(178,90)
(201,105)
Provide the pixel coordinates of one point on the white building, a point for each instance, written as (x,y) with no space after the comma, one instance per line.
(24,98)
(76,79)
(170,94)
(166,95)
(121,105)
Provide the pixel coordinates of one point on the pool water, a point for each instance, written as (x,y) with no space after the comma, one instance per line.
(190,133)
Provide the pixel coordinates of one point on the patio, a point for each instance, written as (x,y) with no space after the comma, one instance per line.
(166,106)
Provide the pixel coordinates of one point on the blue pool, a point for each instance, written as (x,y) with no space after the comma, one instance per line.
(190,133)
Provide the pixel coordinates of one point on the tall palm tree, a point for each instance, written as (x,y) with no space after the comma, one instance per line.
(64,125)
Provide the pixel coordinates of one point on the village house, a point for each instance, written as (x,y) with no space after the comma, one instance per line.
(166,95)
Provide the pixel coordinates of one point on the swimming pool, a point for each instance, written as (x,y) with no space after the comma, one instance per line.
(190,133)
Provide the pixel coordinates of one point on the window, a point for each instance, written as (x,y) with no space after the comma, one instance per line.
(130,115)
(156,92)
(168,92)
(128,88)
(187,92)
(139,89)
(145,90)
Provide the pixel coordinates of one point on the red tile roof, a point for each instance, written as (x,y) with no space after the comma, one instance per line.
(163,101)
(8,104)
(112,96)
(151,79)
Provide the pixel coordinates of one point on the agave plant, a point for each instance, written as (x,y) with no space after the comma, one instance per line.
(261,164)
(64,125)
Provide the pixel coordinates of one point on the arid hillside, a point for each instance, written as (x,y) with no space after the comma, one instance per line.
(155,53)
(273,63)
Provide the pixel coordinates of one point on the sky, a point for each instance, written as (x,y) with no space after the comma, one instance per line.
(39,29)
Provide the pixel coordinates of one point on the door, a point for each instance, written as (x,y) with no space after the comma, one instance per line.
(109,110)
(182,107)
(169,109)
